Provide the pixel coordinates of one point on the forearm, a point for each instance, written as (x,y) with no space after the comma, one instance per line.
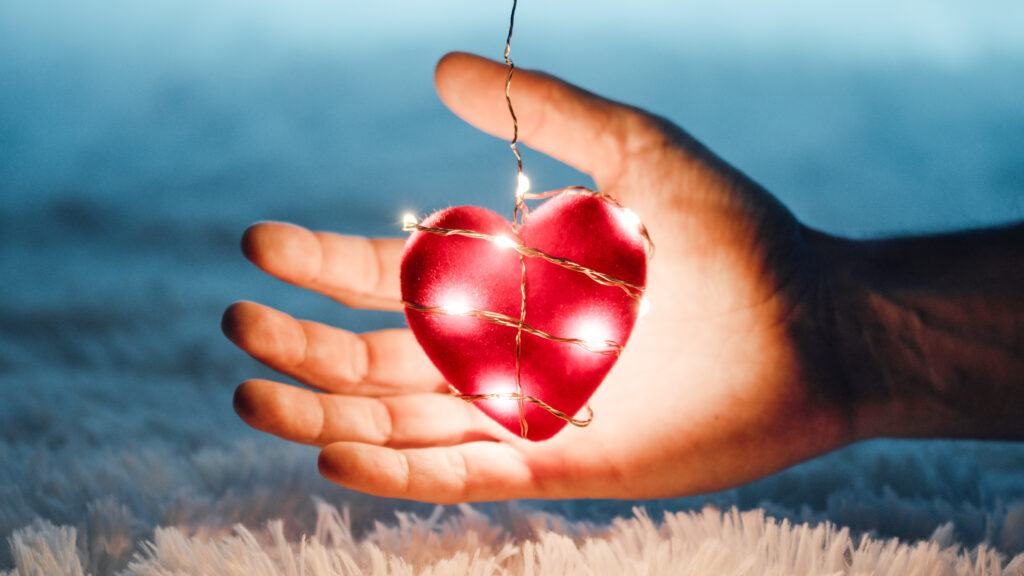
(931,332)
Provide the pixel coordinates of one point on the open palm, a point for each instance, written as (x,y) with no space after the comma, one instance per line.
(729,378)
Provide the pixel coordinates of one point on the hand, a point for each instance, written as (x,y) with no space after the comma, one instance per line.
(732,376)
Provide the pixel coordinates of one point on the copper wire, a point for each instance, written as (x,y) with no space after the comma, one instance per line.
(514,143)
(605,347)
(524,427)
(519,215)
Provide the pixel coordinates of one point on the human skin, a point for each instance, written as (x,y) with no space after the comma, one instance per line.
(768,343)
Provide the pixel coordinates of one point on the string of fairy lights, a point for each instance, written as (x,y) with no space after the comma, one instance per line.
(605,347)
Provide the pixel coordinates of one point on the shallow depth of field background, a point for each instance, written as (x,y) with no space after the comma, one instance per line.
(138,140)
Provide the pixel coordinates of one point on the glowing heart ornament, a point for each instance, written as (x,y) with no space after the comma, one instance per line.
(526,319)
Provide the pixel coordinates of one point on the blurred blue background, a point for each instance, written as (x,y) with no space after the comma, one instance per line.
(139,139)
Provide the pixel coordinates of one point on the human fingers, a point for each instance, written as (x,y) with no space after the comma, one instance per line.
(640,158)
(420,419)
(356,271)
(469,472)
(382,362)
(561,120)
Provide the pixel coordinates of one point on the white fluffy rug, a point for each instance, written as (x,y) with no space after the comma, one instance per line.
(879,508)
(708,542)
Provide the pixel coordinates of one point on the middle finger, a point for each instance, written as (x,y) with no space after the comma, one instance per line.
(331,359)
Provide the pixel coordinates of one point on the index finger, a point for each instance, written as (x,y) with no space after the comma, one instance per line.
(356,271)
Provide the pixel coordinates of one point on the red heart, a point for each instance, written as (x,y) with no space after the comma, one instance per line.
(463,273)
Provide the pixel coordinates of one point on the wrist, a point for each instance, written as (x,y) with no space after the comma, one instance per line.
(877,344)
(928,330)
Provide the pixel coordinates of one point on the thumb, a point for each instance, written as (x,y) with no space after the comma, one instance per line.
(565,122)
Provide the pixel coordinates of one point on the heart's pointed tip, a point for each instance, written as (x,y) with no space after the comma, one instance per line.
(540,424)
(534,431)
(541,436)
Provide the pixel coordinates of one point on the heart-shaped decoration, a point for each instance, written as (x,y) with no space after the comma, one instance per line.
(455,287)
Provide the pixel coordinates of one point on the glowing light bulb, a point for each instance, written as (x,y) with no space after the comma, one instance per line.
(409,221)
(594,334)
(506,405)
(457,308)
(629,219)
(522,186)
(496,384)
(505,242)
(645,307)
